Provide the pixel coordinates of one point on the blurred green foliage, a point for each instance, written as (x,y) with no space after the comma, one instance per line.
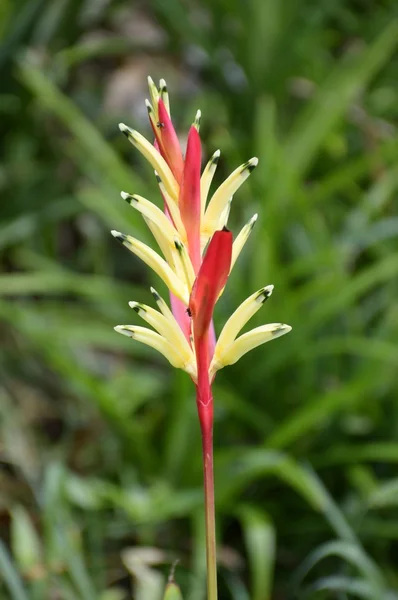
(100,455)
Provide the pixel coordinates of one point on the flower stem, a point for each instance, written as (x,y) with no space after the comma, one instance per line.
(211,559)
(204,402)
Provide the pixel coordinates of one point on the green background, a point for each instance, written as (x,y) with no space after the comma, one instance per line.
(100,462)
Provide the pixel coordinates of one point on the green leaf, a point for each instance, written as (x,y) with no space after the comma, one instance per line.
(25,541)
(260,539)
(321,115)
(98,151)
(10,576)
(352,554)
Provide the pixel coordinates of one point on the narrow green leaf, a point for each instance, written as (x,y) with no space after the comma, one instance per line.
(352,554)
(107,160)
(260,538)
(10,576)
(330,103)
(25,541)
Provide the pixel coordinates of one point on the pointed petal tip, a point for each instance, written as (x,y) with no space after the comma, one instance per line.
(123,330)
(126,196)
(127,130)
(264,293)
(150,80)
(162,84)
(251,164)
(196,122)
(136,306)
(280,329)
(116,234)
(155,294)
(148,106)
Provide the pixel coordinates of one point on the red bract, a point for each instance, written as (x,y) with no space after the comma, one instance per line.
(211,279)
(168,142)
(189,198)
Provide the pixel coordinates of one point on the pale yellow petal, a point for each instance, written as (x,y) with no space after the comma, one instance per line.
(154,157)
(207,178)
(164,94)
(166,235)
(163,306)
(222,195)
(153,212)
(185,262)
(241,239)
(167,327)
(153,339)
(246,342)
(168,251)
(151,113)
(196,122)
(157,263)
(223,221)
(240,317)
(154,94)
(172,205)
(162,230)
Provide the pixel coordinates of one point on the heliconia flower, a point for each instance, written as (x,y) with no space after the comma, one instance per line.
(198,255)
(185,228)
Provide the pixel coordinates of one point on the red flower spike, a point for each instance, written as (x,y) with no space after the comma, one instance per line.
(170,145)
(189,199)
(211,279)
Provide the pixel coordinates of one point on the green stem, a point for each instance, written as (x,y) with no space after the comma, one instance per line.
(211,559)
